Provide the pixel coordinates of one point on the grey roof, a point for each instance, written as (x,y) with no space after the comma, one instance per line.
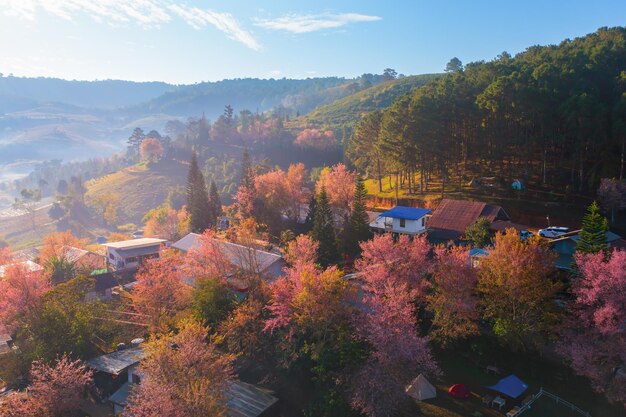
(247,400)
(134,243)
(236,254)
(144,250)
(116,362)
(575,236)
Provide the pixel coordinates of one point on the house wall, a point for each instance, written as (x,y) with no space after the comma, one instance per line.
(411,226)
(120,261)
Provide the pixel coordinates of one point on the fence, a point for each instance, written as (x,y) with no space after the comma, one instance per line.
(558,400)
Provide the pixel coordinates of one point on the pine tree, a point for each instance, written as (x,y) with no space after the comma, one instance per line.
(215,201)
(200,214)
(593,233)
(247,177)
(134,141)
(324,232)
(358,227)
(310,216)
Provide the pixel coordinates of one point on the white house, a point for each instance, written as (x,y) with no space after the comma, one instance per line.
(129,254)
(403,220)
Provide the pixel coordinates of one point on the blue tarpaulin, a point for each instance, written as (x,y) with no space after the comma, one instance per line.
(510,386)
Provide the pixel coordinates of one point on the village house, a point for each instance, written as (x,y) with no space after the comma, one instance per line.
(565,247)
(85,261)
(28,264)
(401,220)
(129,254)
(449,221)
(242,258)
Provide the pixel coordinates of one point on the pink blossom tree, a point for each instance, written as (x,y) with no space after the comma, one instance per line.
(394,278)
(21,291)
(384,261)
(301,250)
(316,139)
(55,390)
(309,306)
(339,183)
(595,339)
(452,299)
(160,292)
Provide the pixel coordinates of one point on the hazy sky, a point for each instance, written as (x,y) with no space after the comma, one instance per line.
(188,41)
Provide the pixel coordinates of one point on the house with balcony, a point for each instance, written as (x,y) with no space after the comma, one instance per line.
(401,220)
(129,254)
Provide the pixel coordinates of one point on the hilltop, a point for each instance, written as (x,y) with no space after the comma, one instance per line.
(139,188)
(348,110)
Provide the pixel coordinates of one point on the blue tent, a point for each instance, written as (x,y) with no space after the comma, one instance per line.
(510,386)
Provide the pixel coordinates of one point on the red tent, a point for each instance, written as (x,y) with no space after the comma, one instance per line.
(459,391)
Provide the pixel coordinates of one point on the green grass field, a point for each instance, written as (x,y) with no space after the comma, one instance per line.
(139,188)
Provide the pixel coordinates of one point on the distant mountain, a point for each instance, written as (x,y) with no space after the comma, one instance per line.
(251,94)
(47,118)
(348,110)
(20,93)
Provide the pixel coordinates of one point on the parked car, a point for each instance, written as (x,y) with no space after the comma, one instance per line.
(525,235)
(138,234)
(553,232)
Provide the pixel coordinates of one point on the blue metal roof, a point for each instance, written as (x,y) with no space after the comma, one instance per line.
(402,212)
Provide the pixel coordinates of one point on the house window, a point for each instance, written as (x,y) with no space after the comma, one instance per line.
(131,259)
(423,221)
(402,222)
(111,256)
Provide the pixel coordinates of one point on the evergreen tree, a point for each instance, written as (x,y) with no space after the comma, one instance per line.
(310,216)
(358,227)
(247,177)
(200,214)
(593,233)
(324,232)
(134,141)
(215,201)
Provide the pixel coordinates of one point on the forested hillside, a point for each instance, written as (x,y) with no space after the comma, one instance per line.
(348,110)
(551,115)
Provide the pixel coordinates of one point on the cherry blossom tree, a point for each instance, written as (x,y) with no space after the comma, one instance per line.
(301,250)
(55,244)
(339,183)
(316,139)
(394,278)
(5,256)
(595,339)
(55,390)
(384,262)
(452,299)
(160,291)
(207,260)
(184,375)
(21,291)
(151,149)
(310,306)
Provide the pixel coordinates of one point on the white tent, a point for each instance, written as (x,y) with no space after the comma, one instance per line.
(421,389)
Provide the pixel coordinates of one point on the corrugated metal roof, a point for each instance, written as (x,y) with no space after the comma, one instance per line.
(408,213)
(452,217)
(237,255)
(134,243)
(115,362)
(246,400)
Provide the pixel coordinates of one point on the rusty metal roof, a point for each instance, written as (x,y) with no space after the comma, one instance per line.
(452,217)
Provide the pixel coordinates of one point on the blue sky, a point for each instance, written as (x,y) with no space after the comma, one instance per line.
(190,41)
